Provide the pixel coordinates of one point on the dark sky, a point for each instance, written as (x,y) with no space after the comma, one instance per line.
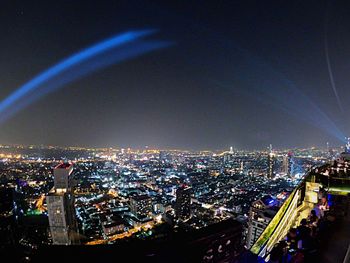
(208,91)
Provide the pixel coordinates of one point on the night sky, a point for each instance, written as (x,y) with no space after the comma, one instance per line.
(212,89)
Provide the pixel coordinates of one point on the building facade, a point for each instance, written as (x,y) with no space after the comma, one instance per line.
(260,214)
(183,203)
(141,206)
(60,204)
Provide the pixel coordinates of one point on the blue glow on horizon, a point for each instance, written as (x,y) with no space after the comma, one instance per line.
(70,62)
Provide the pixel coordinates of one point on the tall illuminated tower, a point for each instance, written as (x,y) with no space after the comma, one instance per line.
(287,165)
(270,163)
(60,204)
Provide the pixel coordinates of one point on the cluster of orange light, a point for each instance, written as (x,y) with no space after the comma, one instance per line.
(10,156)
(113,193)
(40,203)
(129,233)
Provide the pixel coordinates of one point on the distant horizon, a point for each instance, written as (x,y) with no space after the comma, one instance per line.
(173,75)
(146,147)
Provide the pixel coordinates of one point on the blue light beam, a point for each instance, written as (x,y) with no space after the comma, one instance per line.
(272,88)
(71,61)
(329,66)
(76,72)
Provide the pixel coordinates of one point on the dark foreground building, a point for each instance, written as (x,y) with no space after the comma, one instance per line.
(217,243)
(7,217)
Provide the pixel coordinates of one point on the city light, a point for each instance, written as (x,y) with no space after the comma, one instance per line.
(174,132)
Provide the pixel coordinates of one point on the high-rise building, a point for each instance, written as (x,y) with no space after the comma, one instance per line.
(347,145)
(271,160)
(141,206)
(287,165)
(63,177)
(183,202)
(60,204)
(260,214)
(228,156)
(346,154)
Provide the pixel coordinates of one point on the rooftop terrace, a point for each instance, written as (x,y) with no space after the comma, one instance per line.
(328,239)
(64,166)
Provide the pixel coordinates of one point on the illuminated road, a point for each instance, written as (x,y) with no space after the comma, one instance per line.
(129,233)
(40,203)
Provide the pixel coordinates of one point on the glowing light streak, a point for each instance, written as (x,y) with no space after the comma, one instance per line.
(329,67)
(129,233)
(276,91)
(77,66)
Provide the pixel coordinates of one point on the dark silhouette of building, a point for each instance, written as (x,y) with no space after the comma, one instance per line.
(8,216)
(183,202)
(219,242)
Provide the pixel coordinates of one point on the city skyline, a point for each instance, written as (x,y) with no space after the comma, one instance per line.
(221,82)
(175,131)
(152,148)
(119,197)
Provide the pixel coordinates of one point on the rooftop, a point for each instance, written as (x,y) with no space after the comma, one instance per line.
(326,190)
(64,166)
(268,200)
(140,197)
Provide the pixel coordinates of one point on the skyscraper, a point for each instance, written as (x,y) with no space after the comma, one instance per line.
(270,163)
(347,145)
(228,156)
(346,154)
(260,214)
(60,203)
(183,202)
(287,165)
